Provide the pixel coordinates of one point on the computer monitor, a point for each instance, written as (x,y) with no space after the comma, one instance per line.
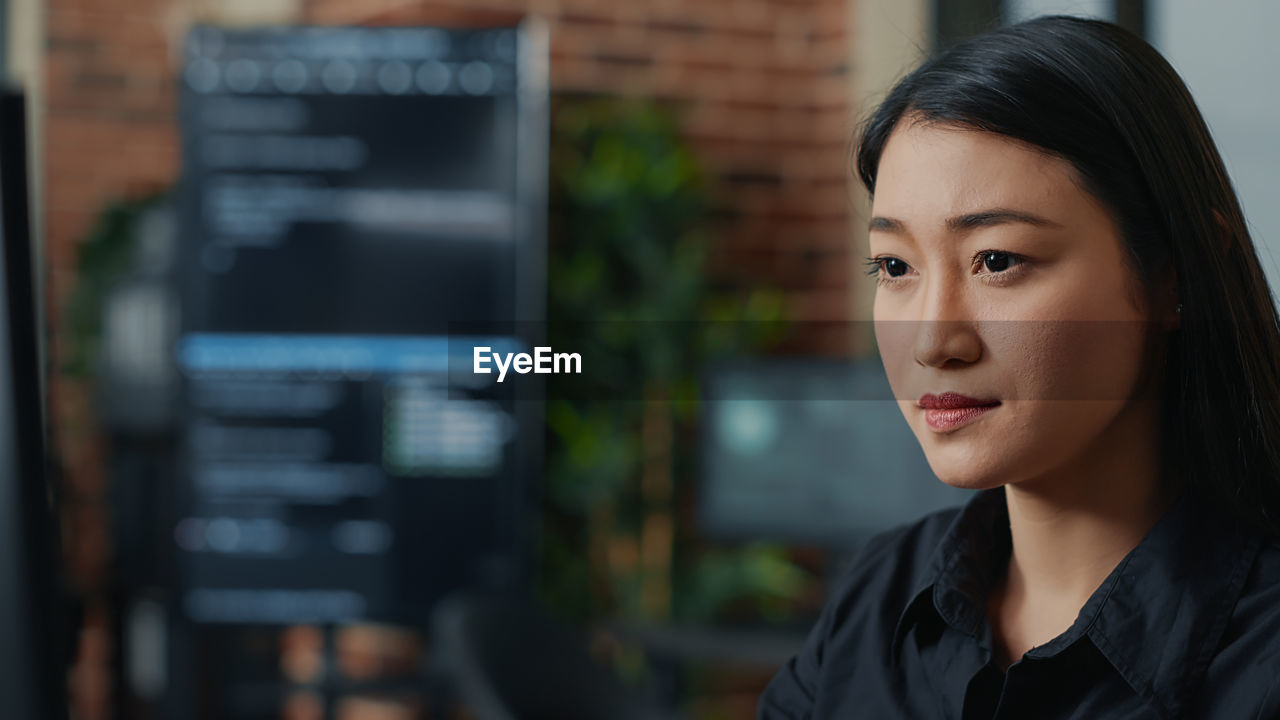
(357,205)
(811,451)
(32,670)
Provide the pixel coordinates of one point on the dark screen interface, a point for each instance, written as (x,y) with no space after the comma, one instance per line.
(348,199)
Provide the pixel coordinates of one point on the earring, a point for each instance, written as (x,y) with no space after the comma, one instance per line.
(1178,309)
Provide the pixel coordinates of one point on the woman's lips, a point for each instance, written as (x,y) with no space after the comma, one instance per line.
(951,410)
(948,419)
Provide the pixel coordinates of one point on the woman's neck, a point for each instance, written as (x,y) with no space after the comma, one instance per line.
(1066,540)
(1070,530)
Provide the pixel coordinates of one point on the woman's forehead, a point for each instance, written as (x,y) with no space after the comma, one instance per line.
(929,172)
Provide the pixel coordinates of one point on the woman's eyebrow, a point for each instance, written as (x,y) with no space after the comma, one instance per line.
(884,224)
(996,216)
(968,221)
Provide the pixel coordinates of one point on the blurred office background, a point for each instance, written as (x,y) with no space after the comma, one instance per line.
(280,497)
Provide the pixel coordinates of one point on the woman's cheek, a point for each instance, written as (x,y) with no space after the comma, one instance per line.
(1069,360)
(1071,379)
(894,340)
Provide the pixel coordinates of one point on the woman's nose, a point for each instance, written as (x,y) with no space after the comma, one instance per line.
(946,330)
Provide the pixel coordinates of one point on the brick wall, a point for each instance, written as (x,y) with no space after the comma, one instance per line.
(764,83)
(109,131)
(767,92)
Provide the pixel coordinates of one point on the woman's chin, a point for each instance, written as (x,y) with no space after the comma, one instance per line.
(972,483)
(968,482)
(964,473)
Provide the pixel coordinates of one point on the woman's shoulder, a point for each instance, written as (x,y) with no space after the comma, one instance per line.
(1266,568)
(1246,665)
(1258,608)
(909,545)
(893,565)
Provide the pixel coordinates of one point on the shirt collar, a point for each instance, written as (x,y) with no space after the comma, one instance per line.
(1156,618)
(953,586)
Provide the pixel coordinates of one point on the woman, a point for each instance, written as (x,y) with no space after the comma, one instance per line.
(1075,324)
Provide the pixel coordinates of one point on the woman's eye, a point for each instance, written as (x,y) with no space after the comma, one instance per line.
(996,261)
(887,269)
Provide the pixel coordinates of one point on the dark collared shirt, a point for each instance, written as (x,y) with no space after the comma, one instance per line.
(1186,626)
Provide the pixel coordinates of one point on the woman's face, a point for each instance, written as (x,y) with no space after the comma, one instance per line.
(1002,280)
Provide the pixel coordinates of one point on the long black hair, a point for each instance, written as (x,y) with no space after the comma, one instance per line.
(1103,99)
